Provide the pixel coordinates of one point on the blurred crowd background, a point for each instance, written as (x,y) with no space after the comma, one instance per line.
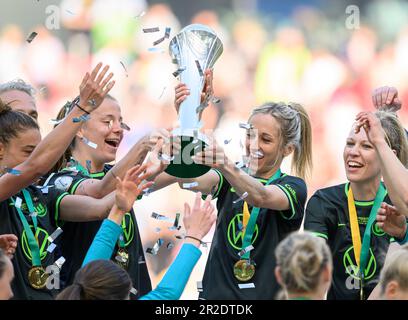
(298,51)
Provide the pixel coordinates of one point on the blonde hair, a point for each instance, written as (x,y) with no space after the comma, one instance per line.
(295,129)
(302,257)
(395,269)
(395,134)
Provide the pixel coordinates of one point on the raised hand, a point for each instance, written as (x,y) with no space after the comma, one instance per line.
(182,91)
(132,185)
(198,220)
(213,156)
(8,243)
(372,126)
(391,221)
(95,87)
(386,99)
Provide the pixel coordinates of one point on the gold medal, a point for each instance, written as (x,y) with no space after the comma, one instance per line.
(37,277)
(244,270)
(122,258)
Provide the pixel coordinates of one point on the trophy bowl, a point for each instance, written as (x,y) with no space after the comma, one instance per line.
(194,49)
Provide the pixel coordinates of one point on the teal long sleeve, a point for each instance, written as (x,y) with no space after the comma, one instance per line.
(174,281)
(104,242)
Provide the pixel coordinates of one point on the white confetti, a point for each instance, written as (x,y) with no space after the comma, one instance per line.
(18,202)
(244,195)
(246,126)
(60,262)
(247,249)
(190,185)
(51,247)
(246,285)
(199,286)
(55,235)
(89,143)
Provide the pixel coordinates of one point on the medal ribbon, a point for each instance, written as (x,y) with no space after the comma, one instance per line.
(250,227)
(32,241)
(361,251)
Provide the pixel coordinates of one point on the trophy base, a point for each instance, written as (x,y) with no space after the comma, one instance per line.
(183,165)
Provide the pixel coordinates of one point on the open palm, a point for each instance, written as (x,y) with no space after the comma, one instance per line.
(128,189)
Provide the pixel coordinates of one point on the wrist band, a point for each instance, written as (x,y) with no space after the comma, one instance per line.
(194,238)
(77,104)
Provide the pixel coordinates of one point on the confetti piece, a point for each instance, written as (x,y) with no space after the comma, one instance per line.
(244,195)
(45,189)
(200,70)
(215,100)
(170,246)
(158,41)
(124,126)
(246,285)
(70,12)
(31,37)
(51,247)
(199,286)
(89,143)
(178,71)
(190,185)
(155,248)
(59,262)
(88,165)
(133,291)
(226,141)
(167,32)
(55,121)
(141,261)
(18,202)
(123,65)
(140,14)
(175,225)
(33,214)
(147,191)
(55,235)
(83,118)
(195,133)
(151,30)
(157,230)
(159,217)
(246,126)
(247,249)
(155,50)
(92,102)
(14,172)
(161,95)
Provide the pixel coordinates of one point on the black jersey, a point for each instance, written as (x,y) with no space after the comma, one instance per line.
(327,216)
(47,210)
(272,226)
(78,236)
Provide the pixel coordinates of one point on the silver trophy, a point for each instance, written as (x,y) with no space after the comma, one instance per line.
(194,49)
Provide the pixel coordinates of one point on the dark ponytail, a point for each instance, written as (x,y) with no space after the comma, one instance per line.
(99,280)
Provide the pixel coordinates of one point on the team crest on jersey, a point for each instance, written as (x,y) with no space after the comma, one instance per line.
(63,183)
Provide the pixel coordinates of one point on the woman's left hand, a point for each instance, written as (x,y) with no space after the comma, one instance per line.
(128,189)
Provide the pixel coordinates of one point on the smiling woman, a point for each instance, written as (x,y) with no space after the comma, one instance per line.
(84,171)
(345,214)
